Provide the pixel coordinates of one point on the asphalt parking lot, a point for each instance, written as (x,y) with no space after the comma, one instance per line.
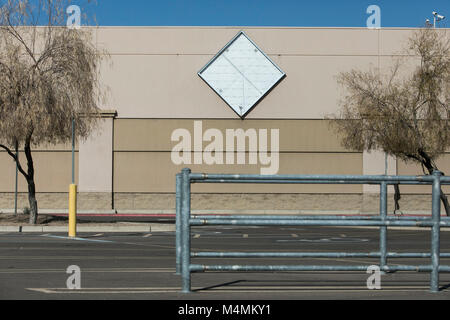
(139,266)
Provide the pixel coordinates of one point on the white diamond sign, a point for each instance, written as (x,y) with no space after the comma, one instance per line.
(241,74)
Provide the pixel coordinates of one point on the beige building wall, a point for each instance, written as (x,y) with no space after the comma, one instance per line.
(159,75)
(143,163)
(96,157)
(376,163)
(154,88)
(53,169)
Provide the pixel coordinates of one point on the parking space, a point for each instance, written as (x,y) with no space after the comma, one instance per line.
(142,265)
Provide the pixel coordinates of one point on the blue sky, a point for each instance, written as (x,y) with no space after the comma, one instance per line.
(304,13)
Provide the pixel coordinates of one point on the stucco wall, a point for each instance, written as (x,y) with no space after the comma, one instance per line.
(154,87)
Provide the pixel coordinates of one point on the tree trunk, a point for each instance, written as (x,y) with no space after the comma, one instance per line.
(32,201)
(444,200)
(443,197)
(397,197)
(29,175)
(31,185)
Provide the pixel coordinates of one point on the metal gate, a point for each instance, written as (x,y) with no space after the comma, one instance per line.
(184,221)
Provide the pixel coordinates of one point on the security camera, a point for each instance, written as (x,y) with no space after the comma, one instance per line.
(440,17)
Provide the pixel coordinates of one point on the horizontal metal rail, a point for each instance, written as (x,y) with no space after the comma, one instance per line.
(421,268)
(185,220)
(336,255)
(326,179)
(311,217)
(292,222)
(331,182)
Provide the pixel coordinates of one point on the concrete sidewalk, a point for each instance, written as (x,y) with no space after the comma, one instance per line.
(171,212)
(109,228)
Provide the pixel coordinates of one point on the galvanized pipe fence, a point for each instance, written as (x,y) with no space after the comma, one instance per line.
(184,221)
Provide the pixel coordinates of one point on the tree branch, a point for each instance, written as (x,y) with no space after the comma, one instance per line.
(15,159)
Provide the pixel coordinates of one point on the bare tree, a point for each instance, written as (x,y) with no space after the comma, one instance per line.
(404,112)
(48,77)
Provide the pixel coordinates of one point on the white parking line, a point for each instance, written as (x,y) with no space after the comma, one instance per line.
(100,270)
(56,258)
(76,239)
(252,289)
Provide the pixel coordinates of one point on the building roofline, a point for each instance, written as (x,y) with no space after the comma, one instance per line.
(259,27)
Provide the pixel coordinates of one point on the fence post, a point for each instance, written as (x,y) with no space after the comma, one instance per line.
(186,231)
(435,231)
(178,198)
(383,229)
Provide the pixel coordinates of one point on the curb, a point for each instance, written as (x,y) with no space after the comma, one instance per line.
(171,212)
(88,229)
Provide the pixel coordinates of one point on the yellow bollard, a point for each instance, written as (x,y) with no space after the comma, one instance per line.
(73,211)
